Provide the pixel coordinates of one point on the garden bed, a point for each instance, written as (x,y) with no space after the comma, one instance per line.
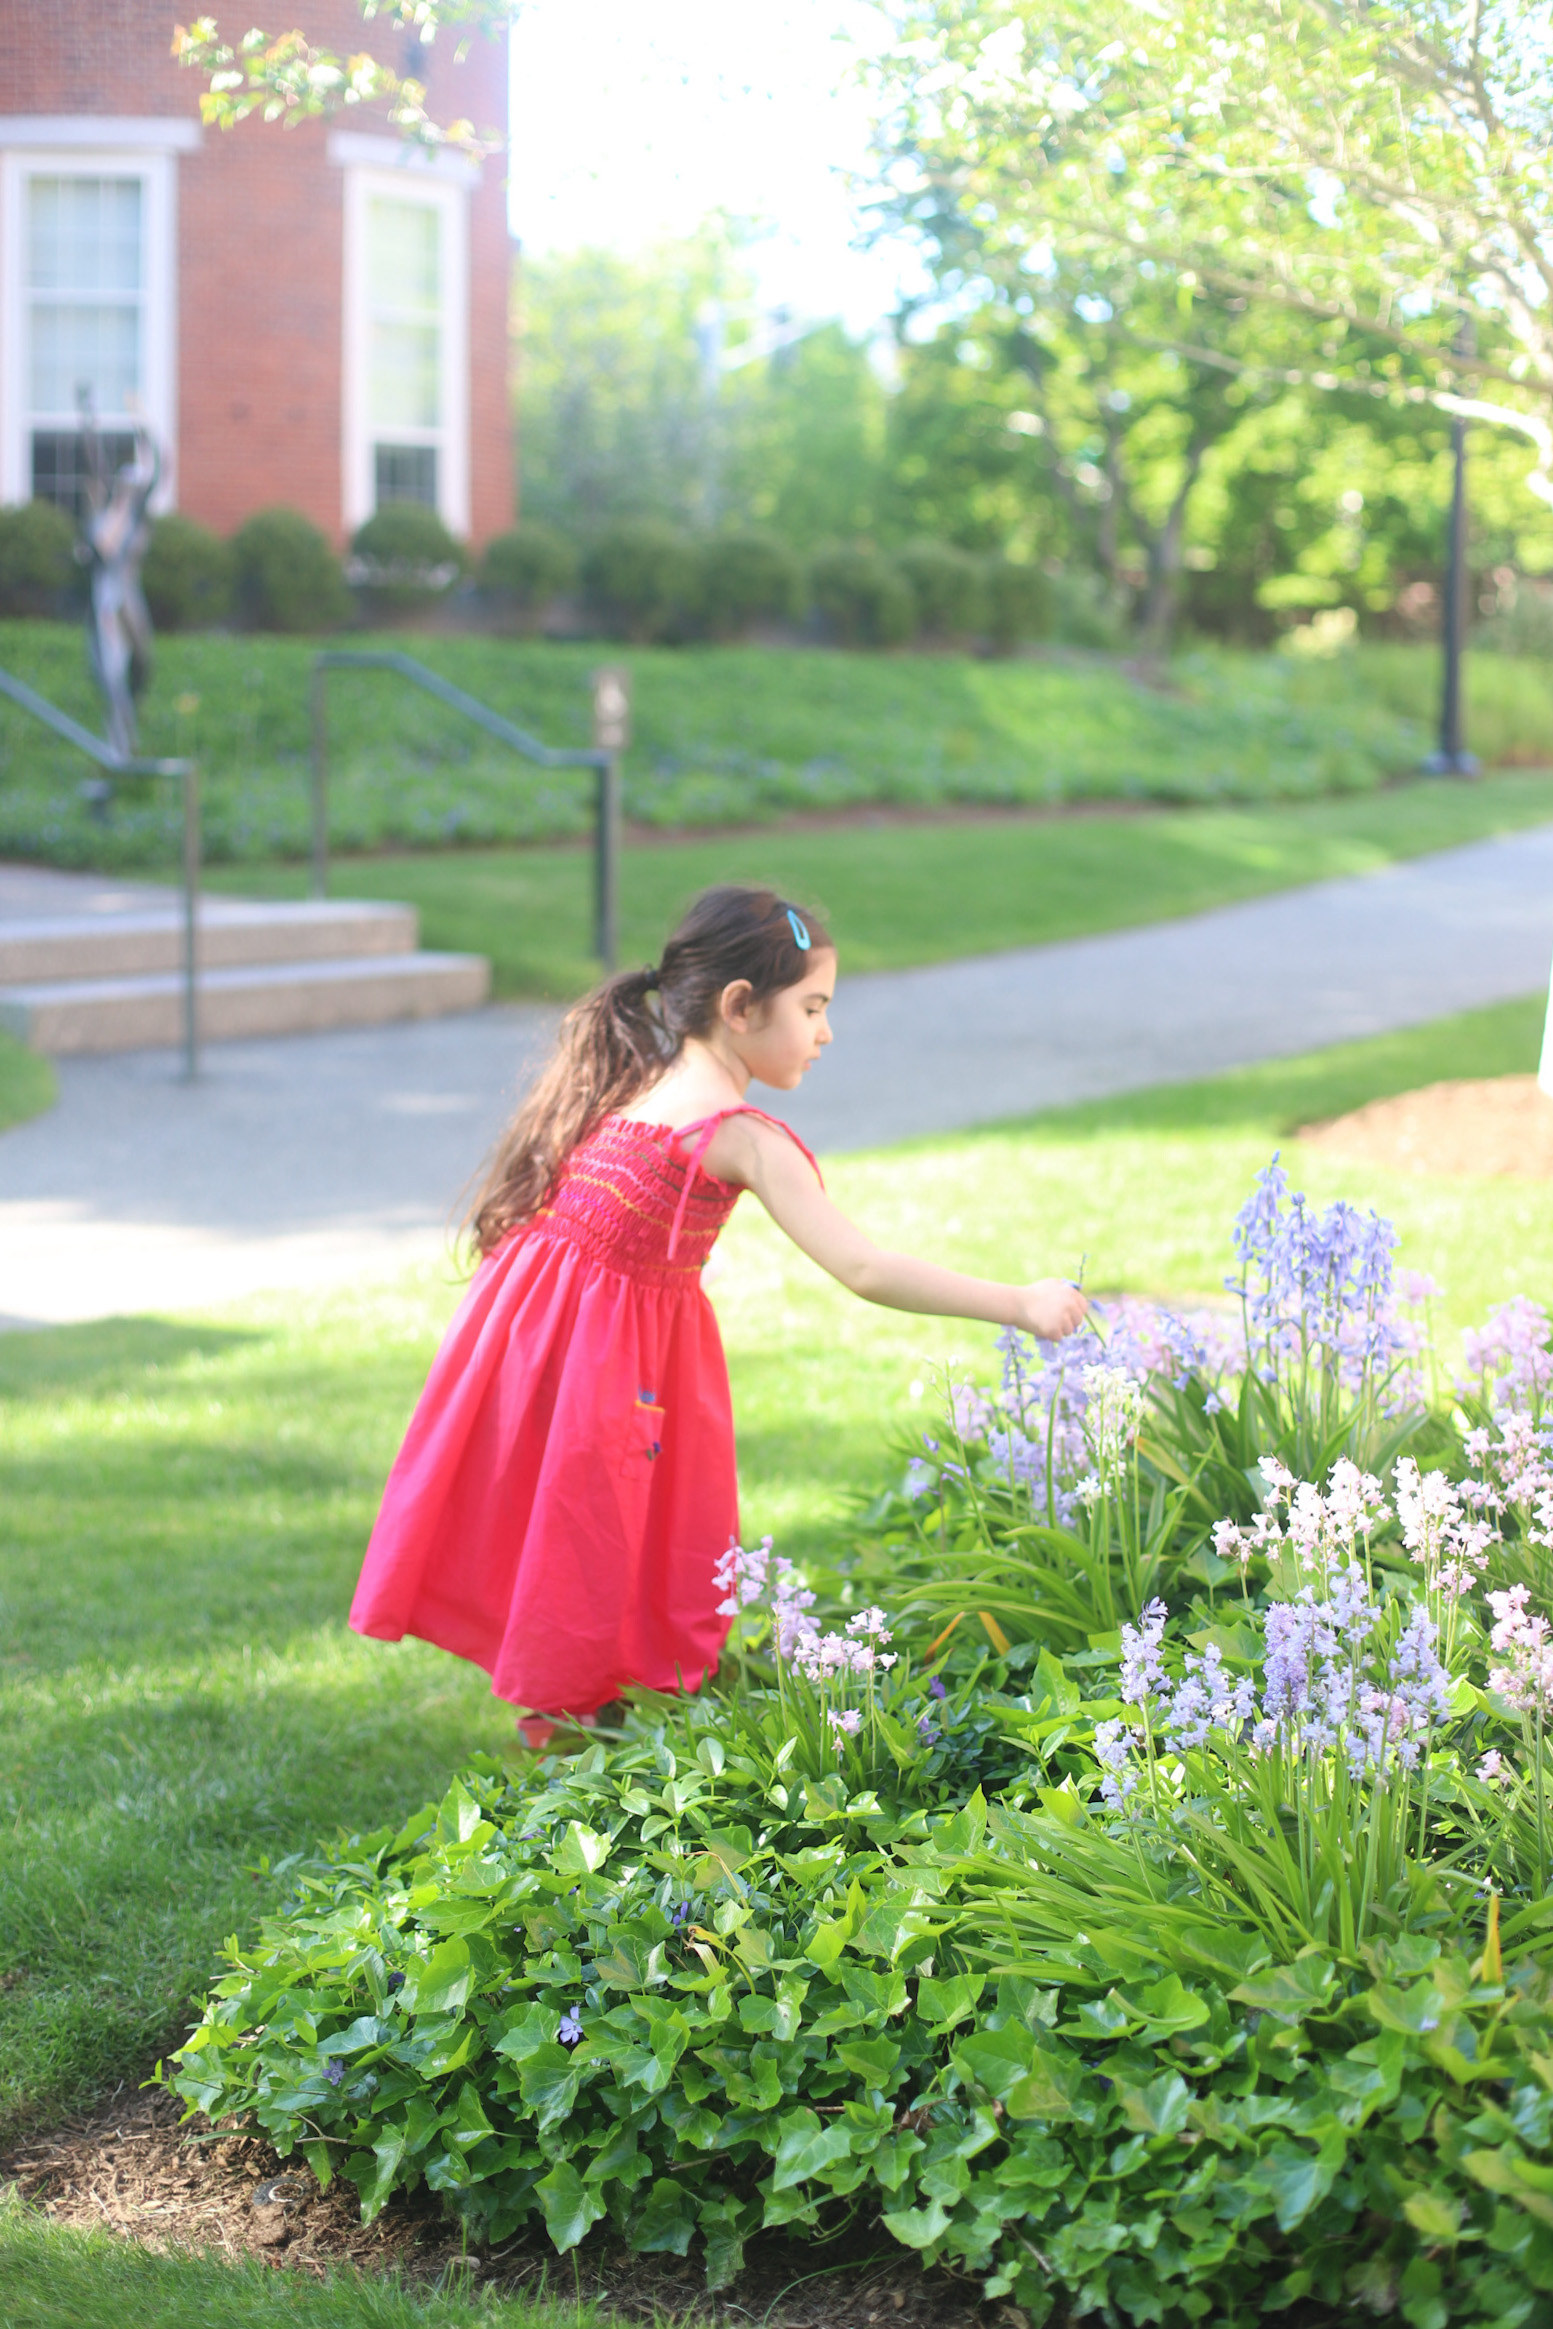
(1500,1126)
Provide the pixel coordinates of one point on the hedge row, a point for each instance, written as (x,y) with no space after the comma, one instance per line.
(639,580)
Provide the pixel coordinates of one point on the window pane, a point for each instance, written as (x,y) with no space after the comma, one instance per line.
(83,234)
(404,376)
(57,471)
(84,347)
(403,271)
(405,473)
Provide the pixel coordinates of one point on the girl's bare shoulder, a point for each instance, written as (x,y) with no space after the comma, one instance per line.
(744,1143)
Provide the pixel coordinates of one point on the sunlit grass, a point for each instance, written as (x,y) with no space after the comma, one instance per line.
(899,894)
(51,2278)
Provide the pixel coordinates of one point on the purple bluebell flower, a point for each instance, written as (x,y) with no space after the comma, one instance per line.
(936,1688)
(334,2070)
(570,2032)
(1142,1644)
(1317,1287)
(1113,1753)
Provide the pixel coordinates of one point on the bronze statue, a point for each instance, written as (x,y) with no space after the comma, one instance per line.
(114,531)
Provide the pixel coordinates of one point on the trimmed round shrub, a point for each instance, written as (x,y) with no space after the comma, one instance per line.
(865,599)
(37,558)
(403,559)
(286,575)
(1019,602)
(528,568)
(949,587)
(187,575)
(746,578)
(639,575)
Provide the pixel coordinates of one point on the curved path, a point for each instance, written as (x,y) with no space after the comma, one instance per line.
(312,1159)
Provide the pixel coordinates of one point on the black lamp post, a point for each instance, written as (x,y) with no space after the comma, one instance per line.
(1453,758)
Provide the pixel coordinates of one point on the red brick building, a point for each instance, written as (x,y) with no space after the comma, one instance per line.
(316,316)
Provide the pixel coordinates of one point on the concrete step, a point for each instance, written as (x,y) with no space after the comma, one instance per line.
(273,998)
(141,941)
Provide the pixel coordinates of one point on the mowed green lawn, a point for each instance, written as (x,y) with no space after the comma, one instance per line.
(185,1502)
(902,893)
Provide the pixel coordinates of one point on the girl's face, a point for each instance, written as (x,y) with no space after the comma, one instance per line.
(780,1040)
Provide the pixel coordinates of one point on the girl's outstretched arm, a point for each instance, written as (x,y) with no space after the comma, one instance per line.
(767,1163)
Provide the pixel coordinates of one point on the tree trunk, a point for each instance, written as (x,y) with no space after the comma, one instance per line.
(1163,548)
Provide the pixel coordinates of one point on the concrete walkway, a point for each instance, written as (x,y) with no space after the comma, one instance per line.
(311,1159)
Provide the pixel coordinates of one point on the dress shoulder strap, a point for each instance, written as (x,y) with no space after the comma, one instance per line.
(706,1127)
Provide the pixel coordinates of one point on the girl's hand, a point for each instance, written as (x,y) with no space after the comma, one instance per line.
(1049,1309)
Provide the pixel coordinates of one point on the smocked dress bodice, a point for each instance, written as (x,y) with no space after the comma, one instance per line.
(636,1198)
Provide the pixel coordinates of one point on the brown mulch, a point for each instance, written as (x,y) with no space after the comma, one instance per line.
(131,2169)
(1501,1127)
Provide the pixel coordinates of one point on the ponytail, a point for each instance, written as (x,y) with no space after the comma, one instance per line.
(610,1048)
(614,1044)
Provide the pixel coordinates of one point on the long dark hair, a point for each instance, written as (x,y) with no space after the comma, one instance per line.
(617,1041)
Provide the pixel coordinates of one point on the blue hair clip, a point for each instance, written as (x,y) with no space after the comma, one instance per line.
(800,934)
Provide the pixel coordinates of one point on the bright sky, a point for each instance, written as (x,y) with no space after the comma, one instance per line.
(633,121)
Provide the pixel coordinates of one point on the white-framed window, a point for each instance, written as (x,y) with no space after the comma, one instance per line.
(406,348)
(406,341)
(88,302)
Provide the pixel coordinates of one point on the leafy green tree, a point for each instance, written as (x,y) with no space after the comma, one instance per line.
(627,410)
(806,441)
(1375,172)
(615,419)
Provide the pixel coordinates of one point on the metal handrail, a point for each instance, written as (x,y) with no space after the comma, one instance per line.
(604,761)
(119,764)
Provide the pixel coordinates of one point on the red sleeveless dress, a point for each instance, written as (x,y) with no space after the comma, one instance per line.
(567,1482)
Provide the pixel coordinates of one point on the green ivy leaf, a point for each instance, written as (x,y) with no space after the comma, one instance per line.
(944,2004)
(873,2060)
(1167,2007)
(1289,1992)
(459,1816)
(666,2220)
(1295,2180)
(724,2224)
(1436,2217)
(571,2208)
(440,1984)
(1414,2011)
(1515,2178)
(806,2148)
(829,1941)
(1160,2108)
(919,2227)
(624,1964)
(549,2080)
(583,1851)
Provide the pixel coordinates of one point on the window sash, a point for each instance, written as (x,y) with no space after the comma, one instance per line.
(85,260)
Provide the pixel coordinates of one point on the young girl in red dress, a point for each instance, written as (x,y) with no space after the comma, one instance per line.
(567,1483)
